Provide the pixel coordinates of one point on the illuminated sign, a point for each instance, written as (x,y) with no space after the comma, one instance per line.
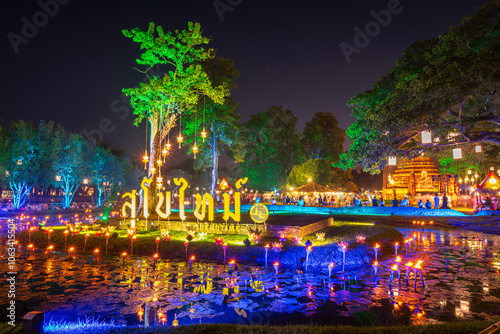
(204,204)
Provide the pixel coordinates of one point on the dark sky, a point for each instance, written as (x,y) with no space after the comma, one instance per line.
(73,69)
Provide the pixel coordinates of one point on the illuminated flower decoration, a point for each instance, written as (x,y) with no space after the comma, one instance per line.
(219,240)
(255,238)
(283,237)
(131,232)
(343,245)
(360,238)
(320,236)
(277,246)
(202,235)
(297,240)
(165,235)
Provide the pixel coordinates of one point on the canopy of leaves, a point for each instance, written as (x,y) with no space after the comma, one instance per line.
(446,85)
(322,172)
(322,138)
(273,148)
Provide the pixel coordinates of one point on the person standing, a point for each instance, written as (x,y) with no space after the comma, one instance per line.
(436,201)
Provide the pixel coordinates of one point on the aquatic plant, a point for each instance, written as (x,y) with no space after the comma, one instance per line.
(90,323)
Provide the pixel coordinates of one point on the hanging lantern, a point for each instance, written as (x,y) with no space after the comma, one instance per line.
(470,172)
(392,161)
(180,139)
(153,170)
(460,180)
(426,137)
(478,149)
(457,153)
(203,135)
(159,181)
(476,175)
(164,152)
(195,150)
(466,179)
(145,159)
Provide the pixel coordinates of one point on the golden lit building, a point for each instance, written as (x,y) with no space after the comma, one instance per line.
(418,177)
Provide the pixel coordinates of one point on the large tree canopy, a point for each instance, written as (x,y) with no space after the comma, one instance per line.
(447,85)
(273,148)
(322,138)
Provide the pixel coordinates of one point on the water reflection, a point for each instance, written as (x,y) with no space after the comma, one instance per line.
(460,272)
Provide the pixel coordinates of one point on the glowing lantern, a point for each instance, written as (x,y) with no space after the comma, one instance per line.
(457,153)
(426,137)
(392,161)
(203,135)
(168,146)
(145,159)
(153,170)
(159,181)
(159,162)
(164,152)
(478,148)
(195,150)
(180,140)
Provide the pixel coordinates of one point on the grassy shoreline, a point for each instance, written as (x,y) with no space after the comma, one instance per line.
(462,327)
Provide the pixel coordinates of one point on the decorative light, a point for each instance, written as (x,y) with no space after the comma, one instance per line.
(466,179)
(426,137)
(203,135)
(164,152)
(457,153)
(469,172)
(180,139)
(58,178)
(85,181)
(392,161)
(159,180)
(460,180)
(153,170)
(195,150)
(159,162)
(168,146)
(492,181)
(478,148)
(476,175)
(145,159)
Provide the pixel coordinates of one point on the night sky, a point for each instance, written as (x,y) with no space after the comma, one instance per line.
(72,71)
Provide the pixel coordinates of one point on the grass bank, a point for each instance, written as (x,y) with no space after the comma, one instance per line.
(463,327)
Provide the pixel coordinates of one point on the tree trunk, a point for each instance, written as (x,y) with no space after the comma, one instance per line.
(214,165)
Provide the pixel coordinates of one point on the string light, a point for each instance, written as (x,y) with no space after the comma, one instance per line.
(203,133)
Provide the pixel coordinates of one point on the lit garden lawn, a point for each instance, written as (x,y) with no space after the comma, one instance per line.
(349,231)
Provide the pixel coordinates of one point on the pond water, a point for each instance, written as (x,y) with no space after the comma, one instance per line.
(68,289)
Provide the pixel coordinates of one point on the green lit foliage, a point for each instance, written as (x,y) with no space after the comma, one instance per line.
(26,156)
(322,138)
(166,96)
(322,172)
(273,148)
(318,170)
(447,85)
(220,122)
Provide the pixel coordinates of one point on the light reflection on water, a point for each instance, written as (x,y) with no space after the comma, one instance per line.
(77,288)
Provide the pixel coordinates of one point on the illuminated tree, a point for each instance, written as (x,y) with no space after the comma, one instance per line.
(71,164)
(26,154)
(106,173)
(165,97)
(322,138)
(321,171)
(447,85)
(273,148)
